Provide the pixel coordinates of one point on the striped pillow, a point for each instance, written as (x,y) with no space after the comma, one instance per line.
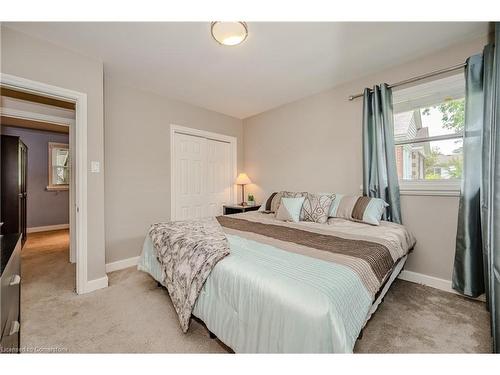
(358,208)
(269,201)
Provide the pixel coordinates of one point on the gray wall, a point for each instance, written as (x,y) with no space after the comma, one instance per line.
(314,144)
(44,207)
(38,60)
(137,154)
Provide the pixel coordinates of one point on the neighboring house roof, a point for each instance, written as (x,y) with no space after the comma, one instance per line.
(402,123)
(408,125)
(424,133)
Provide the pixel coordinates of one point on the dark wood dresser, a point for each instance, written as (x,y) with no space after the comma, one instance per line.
(229,209)
(10,292)
(14,163)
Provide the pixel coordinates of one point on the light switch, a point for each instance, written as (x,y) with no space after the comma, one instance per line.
(95,166)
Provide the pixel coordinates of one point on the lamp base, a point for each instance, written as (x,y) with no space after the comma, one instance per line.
(243,203)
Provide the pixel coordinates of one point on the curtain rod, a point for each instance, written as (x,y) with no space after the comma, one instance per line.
(418,78)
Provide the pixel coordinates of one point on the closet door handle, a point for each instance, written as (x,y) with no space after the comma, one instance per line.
(16,279)
(14,327)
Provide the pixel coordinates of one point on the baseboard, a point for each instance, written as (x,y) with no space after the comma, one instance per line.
(121,264)
(96,284)
(433,282)
(47,228)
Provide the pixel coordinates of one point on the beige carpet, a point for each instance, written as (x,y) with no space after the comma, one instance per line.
(133,315)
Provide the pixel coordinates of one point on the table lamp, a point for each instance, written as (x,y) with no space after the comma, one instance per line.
(243,180)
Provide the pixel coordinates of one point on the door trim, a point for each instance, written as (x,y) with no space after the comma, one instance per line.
(203,134)
(79,156)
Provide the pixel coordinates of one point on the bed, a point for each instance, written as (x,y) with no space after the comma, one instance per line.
(295,287)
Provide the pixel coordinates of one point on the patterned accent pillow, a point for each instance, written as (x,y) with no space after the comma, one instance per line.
(275,203)
(358,208)
(316,207)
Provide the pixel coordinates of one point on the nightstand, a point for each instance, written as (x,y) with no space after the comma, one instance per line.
(230,209)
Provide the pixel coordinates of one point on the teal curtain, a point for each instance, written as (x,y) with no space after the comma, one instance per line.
(486,165)
(380,178)
(468,269)
(477,258)
(491,181)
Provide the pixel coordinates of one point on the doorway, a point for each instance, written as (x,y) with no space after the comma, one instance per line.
(77,140)
(36,182)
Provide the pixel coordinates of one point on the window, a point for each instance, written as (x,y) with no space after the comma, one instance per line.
(59,166)
(428,134)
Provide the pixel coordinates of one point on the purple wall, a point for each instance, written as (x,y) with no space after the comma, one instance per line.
(44,207)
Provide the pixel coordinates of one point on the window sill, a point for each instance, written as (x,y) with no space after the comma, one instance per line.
(57,188)
(441,188)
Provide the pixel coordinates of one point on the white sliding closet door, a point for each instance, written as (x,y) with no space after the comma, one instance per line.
(202,176)
(219,176)
(190,154)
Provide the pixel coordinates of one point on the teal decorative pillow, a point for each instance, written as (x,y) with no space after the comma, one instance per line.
(276,200)
(358,208)
(289,209)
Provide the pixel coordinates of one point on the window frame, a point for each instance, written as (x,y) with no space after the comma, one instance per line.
(444,187)
(440,187)
(51,186)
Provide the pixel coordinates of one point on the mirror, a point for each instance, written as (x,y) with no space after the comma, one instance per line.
(59,166)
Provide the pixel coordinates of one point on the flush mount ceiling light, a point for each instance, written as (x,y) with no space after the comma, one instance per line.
(229,33)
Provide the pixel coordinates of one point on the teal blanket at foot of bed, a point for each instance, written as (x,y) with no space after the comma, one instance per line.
(262,299)
(267,300)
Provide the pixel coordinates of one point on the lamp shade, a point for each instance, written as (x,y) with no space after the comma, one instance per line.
(242,179)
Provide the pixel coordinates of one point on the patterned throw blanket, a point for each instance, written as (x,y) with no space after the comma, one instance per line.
(187,252)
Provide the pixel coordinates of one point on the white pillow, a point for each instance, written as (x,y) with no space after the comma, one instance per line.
(289,209)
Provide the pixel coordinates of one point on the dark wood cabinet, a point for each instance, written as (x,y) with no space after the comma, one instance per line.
(14,193)
(10,293)
(230,209)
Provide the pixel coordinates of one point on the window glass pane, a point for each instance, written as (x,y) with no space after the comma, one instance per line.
(60,175)
(431,109)
(430,160)
(60,157)
(60,164)
(444,118)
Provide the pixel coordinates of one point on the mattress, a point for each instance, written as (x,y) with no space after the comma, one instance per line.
(262,298)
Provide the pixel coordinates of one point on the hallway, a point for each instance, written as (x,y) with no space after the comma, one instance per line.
(47,276)
(131,315)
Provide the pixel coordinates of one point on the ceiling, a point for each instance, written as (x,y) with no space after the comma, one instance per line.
(31,107)
(30,114)
(278,63)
